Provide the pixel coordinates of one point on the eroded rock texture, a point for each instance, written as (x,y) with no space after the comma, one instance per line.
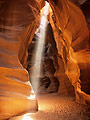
(49,63)
(18,21)
(72,39)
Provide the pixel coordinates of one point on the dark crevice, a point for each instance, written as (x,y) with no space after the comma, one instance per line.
(49,61)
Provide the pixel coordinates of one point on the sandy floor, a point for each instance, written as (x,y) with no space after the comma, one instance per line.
(54,107)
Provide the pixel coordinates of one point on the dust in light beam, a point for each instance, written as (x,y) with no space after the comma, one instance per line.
(35,73)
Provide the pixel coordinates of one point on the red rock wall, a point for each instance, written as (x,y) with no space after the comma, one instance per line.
(73,45)
(18,20)
(65,86)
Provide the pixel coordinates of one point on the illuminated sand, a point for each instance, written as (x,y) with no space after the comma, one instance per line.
(54,107)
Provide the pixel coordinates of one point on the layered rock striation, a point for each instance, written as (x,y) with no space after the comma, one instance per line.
(18,21)
(72,39)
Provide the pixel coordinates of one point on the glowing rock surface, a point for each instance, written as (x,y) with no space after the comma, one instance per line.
(72,39)
(17,23)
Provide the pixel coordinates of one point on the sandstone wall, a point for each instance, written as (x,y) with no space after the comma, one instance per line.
(65,86)
(18,21)
(73,46)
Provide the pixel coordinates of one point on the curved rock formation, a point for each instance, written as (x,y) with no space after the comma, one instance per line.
(18,21)
(73,46)
(49,63)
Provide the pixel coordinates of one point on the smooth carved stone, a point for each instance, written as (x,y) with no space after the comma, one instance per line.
(73,45)
(18,21)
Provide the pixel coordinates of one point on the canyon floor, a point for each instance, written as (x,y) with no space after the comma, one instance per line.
(56,107)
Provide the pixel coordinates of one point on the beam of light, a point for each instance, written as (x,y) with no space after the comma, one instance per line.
(31,97)
(26,117)
(35,73)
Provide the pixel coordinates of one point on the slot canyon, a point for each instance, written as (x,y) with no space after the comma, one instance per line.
(47,79)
